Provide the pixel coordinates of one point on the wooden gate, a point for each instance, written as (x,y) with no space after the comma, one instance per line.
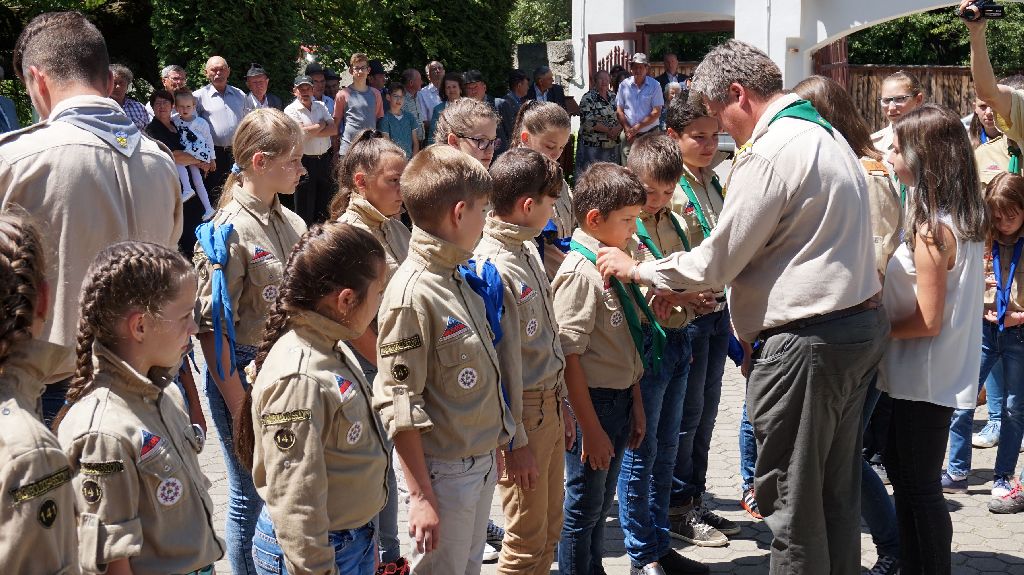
(833,61)
(616,55)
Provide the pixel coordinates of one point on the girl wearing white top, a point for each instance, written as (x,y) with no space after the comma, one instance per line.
(934,290)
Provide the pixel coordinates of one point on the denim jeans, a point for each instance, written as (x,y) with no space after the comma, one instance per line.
(748,450)
(244,503)
(1002,357)
(354,549)
(586,155)
(645,480)
(709,337)
(876,508)
(589,492)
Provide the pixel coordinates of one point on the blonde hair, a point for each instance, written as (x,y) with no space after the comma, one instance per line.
(266,130)
(358,57)
(459,116)
(439,177)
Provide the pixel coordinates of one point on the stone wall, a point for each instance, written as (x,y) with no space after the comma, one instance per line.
(558,55)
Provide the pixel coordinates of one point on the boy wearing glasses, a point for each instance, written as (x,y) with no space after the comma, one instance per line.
(359,106)
(397,123)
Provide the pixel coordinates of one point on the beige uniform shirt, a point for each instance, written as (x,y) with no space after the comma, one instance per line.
(565,222)
(795,239)
(709,200)
(390,232)
(321,457)
(591,323)
(992,158)
(140,492)
(437,370)
(664,236)
(258,249)
(84,195)
(529,353)
(1017,289)
(37,501)
(886,212)
(1013,127)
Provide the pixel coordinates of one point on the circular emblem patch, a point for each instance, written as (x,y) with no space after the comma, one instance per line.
(355,433)
(617,318)
(270,293)
(199,436)
(531,328)
(285,439)
(169,492)
(91,491)
(48,513)
(467,378)
(399,371)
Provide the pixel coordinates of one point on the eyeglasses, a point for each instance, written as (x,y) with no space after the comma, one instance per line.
(359,68)
(480,143)
(897,101)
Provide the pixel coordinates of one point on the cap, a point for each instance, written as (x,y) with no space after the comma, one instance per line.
(473,76)
(376,67)
(314,68)
(639,58)
(255,70)
(300,80)
(331,74)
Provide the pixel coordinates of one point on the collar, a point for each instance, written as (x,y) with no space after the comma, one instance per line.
(656,216)
(254,206)
(586,240)
(365,210)
(262,102)
(119,374)
(321,330)
(30,365)
(87,100)
(510,235)
(512,96)
(436,252)
(774,108)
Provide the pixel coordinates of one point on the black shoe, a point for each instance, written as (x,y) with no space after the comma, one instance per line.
(675,564)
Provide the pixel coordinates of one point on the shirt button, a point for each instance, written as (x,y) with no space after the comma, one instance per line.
(167,467)
(463,356)
(287,463)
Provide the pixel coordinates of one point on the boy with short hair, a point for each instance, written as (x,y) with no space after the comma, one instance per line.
(399,126)
(599,329)
(526,185)
(359,105)
(438,370)
(197,139)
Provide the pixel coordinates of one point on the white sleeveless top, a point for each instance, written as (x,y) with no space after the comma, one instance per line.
(943,369)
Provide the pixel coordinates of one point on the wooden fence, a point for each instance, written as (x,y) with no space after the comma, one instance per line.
(948,86)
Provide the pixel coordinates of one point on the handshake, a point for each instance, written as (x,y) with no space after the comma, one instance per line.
(979,9)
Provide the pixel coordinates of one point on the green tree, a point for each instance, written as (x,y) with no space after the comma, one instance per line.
(687,46)
(540,21)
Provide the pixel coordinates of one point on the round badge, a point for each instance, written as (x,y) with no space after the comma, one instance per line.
(48,513)
(270,293)
(467,378)
(617,318)
(531,328)
(169,492)
(399,371)
(91,491)
(355,433)
(199,436)
(285,439)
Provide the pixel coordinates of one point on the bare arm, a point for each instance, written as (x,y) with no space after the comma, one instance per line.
(424,517)
(996,96)
(231,386)
(366,345)
(932,269)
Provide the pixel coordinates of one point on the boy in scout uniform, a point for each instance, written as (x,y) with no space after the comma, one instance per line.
(526,185)
(438,389)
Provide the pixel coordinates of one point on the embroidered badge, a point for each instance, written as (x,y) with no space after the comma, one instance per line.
(41,487)
(531,327)
(689,209)
(91,491)
(149,443)
(287,417)
(260,255)
(525,293)
(270,293)
(122,138)
(453,329)
(346,387)
(399,371)
(397,347)
(355,433)
(48,513)
(169,492)
(467,378)
(284,439)
(617,318)
(102,467)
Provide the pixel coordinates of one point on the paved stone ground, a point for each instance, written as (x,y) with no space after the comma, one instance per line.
(983,543)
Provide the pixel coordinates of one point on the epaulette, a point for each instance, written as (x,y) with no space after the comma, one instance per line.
(7,136)
(874,167)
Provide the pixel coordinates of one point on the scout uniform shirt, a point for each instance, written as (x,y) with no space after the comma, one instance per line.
(258,249)
(390,232)
(710,203)
(1016,300)
(140,492)
(321,458)
(565,222)
(438,371)
(37,501)
(591,322)
(665,238)
(529,353)
(992,158)
(886,212)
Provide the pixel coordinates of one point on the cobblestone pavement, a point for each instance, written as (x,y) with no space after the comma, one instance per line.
(983,543)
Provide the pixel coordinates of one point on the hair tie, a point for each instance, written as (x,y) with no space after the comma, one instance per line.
(236,169)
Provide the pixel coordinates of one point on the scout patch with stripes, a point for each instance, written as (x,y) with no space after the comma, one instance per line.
(41,487)
(260,255)
(286,417)
(689,209)
(346,387)
(526,292)
(401,345)
(149,442)
(454,328)
(102,467)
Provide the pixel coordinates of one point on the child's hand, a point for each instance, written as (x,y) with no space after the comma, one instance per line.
(570,426)
(424,523)
(597,449)
(638,425)
(521,468)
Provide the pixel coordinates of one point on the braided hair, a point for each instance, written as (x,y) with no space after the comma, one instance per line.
(125,277)
(21,280)
(328,258)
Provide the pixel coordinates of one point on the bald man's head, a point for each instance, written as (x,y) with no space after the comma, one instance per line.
(217,72)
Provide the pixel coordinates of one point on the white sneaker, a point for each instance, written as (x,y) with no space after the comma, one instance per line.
(187,195)
(490,553)
(209,214)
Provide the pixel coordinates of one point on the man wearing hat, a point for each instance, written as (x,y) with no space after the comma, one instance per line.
(316,72)
(378,78)
(332,83)
(639,102)
(258,97)
(314,192)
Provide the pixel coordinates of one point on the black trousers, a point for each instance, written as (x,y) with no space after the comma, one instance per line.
(192,211)
(313,194)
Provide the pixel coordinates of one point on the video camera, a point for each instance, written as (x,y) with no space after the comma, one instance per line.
(982,9)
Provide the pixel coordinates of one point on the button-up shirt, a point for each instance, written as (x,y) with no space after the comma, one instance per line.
(316,113)
(637,102)
(223,110)
(136,112)
(428,98)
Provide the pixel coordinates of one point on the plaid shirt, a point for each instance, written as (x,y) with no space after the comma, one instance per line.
(136,112)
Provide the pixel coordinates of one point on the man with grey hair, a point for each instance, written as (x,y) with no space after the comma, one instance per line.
(174,78)
(223,106)
(794,245)
(123,79)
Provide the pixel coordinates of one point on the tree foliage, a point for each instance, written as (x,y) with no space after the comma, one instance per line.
(541,21)
(687,46)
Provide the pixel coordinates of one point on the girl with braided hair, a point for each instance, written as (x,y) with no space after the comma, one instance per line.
(317,450)
(142,500)
(36,498)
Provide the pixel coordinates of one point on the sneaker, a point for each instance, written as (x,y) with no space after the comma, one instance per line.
(208,215)
(749,503)
(399,567)
(647,570)
(691,528)
(492,547)
(491,553)
(952,485)
(1012,502)
(187,195)
(675,564)
(1001,486)
(885,565)
(987,437)
(709,517)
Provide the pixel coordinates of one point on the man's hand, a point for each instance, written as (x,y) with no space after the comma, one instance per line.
(597,449)
(615,262)
(424,523)
(637,423)
(521,467)
(570,426)
(977,25)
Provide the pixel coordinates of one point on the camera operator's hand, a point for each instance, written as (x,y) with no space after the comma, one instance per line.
(977,25)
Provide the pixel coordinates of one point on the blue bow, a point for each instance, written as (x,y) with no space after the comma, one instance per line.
(550,235)
(489,287)
(214,242)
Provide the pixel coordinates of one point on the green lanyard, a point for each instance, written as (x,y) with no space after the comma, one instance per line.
(632,319)
(1014,160)
(641,232)
(696,204)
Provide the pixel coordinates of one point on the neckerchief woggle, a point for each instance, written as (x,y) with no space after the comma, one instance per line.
(632,319)
(1003,293)
(704,225)
(550,235)
(641,232)
(214,242)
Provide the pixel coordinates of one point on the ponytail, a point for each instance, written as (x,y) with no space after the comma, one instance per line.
(536,117)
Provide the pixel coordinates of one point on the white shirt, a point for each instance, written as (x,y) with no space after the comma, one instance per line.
(313,145)
(428,98)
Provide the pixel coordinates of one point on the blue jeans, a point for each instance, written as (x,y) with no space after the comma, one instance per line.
(1002,356)
(876,508)
(709,336)
(645,480)
(589,492)
(354,549)
(586,155)
(243,502)
(748,450)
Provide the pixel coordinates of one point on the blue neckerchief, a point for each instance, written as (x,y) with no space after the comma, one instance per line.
(1003,293)
(487,285)
(110,125)
(214,242)
(550,235)
(983,137)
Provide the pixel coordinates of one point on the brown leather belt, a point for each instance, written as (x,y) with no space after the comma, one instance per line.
(796,325)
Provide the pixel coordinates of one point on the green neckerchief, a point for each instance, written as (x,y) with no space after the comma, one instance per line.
(1014,160)
(903,193)
(632,319)
(802,110)
(641,232)
(696,204)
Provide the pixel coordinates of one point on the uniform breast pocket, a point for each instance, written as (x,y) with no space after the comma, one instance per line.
(354,420)
(163,476)
(530,315)
(265,279)
(458,368)
(611,311)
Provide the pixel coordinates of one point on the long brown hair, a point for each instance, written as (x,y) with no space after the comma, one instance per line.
(125,277)
(834,104)
(1004,193)
(21,280)
(537,117)
(328,258)
(367,152)
(266,130)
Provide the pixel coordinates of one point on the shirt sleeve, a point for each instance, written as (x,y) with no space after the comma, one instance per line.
(380,103)
(402,363)
(575,303)
(1013,126)
(659,96)
(421,101)
(510,359)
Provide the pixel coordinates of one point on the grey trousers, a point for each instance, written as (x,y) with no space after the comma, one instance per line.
(805,396)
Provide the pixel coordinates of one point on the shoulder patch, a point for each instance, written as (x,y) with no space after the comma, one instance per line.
(102,467)
(286,417)
(41,487)
(401,345)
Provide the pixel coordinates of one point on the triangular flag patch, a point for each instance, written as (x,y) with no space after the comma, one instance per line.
(259,254)
(453,328)
(525,292)
(346,387)
(149,441)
